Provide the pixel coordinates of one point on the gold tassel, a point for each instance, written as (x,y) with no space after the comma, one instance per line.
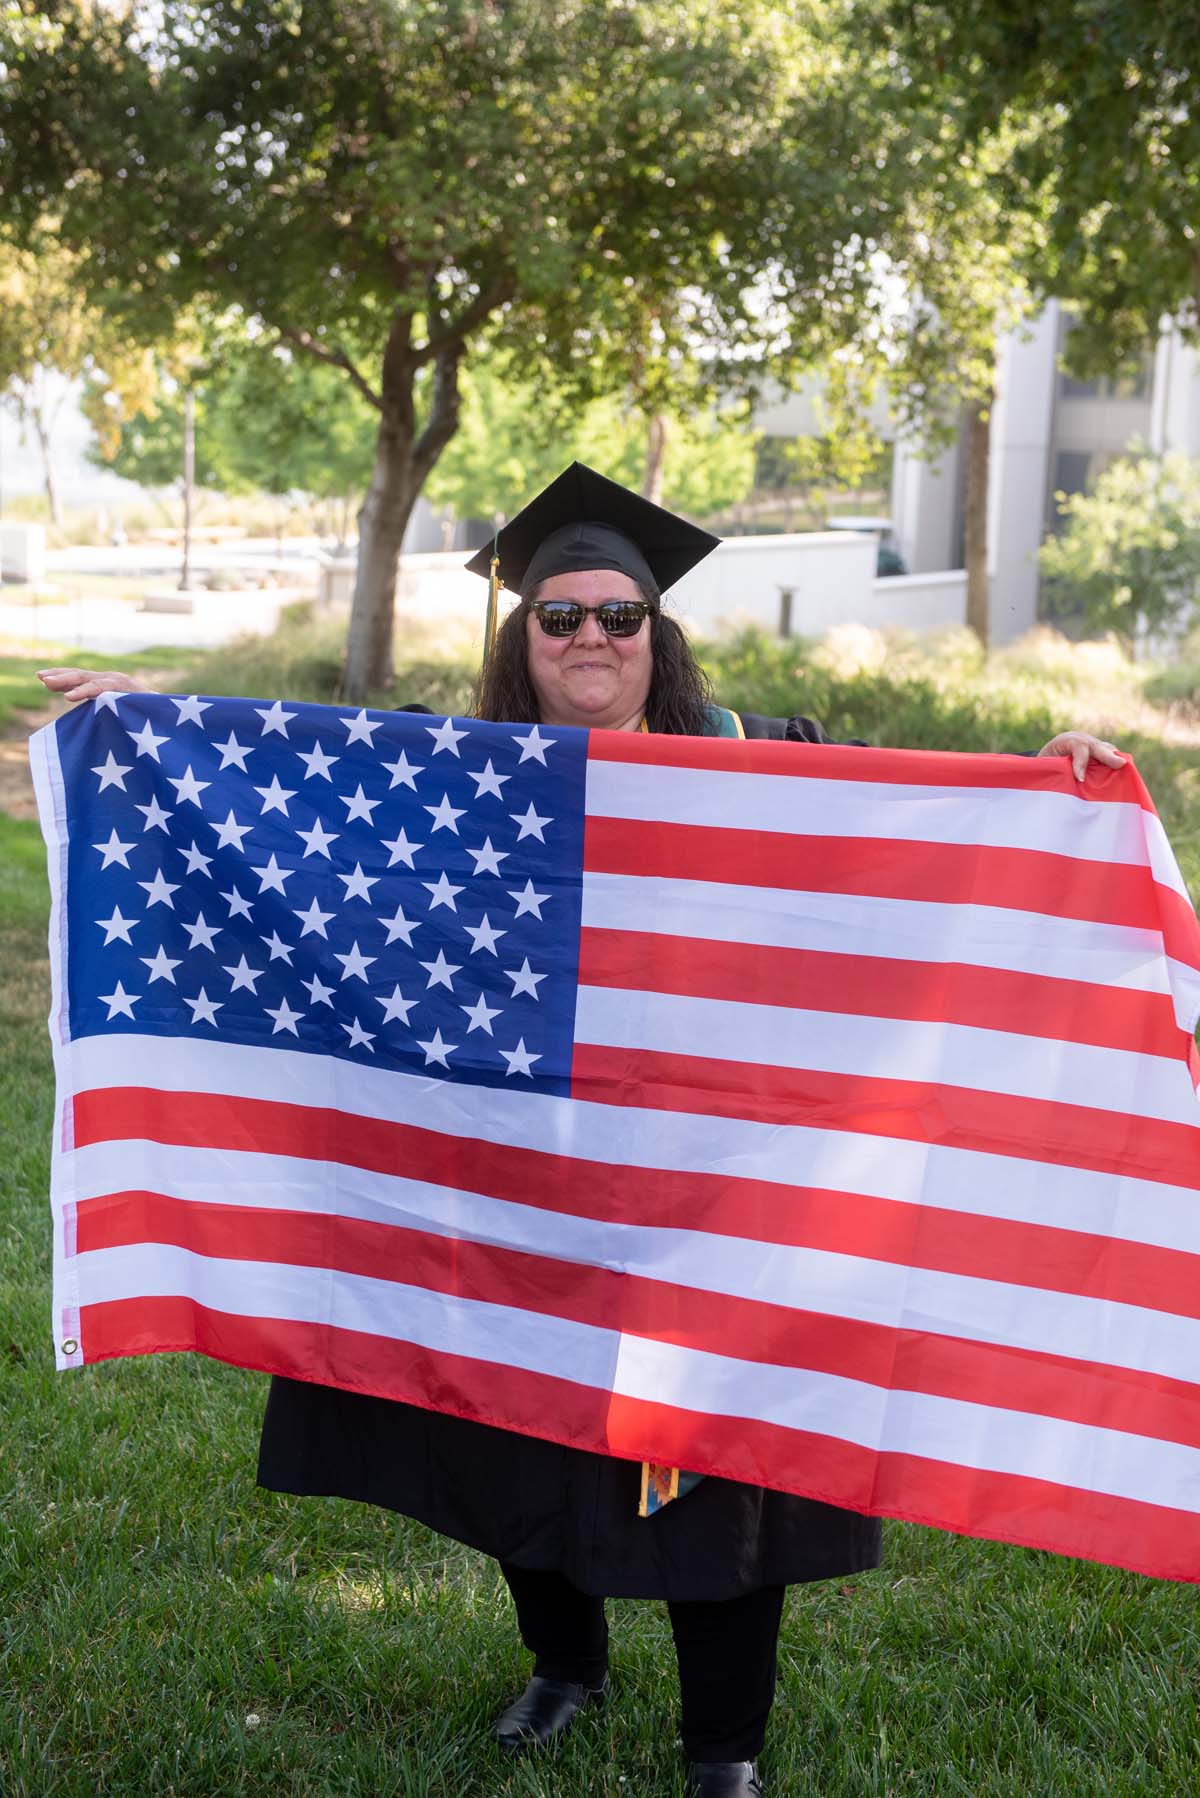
(493,611)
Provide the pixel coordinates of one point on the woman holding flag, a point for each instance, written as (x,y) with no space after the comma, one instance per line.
(589,645)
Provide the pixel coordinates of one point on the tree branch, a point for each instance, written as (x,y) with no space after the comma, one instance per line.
(485,302)
(335,358)
(442,422)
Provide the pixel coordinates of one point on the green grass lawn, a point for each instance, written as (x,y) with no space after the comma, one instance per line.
(166,1628)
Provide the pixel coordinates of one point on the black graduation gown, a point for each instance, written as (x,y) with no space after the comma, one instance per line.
(547,1507)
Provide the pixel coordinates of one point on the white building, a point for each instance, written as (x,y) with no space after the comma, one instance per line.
(1050,434)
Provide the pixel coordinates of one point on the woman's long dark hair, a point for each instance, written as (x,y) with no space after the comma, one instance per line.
(679,690)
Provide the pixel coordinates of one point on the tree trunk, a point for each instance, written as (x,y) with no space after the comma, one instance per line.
(656,452)
(189,485)
(403,461)
(979,446)
(43,436)
(382,521)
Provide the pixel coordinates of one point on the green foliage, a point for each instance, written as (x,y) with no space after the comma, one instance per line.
(1128,557)
(266,421)
(515,434)
(1104,98)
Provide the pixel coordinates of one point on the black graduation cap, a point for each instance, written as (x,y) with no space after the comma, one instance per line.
(583,520)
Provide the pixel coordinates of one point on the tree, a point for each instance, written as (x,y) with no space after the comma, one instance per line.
(1128,557)
(514,436)
(1105,100)
(382,185)
(48,329)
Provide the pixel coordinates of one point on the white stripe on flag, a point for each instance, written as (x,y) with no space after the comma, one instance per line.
(1007,1186)
(799,805)
(780,1036)
(892,1295)
(983,936)
(1086,1456)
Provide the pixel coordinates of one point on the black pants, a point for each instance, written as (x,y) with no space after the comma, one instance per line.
(726,1651)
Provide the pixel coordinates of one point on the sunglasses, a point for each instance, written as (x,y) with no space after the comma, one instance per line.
(616,617)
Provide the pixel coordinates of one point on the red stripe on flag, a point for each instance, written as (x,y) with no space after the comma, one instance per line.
(1029,880)
(957,1117)
(718,1323)
(842,1223)
(942,771)
(1146,1538)
(877,986)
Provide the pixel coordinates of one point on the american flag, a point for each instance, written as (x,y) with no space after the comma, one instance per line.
(819,1117)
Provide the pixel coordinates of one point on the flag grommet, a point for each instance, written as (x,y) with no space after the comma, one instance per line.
(70,1346)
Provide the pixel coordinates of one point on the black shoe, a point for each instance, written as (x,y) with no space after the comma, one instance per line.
(543,1711)
(723,1779)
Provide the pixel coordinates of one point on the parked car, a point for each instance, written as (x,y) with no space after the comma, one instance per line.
(888,559)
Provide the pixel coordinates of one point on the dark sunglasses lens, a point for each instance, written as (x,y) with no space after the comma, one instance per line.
(559,617)
(621,619)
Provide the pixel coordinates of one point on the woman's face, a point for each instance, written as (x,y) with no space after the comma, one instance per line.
(590,679)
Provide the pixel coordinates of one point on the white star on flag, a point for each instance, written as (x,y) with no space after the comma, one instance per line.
(238,907)
(487,780)
(519,1060)
(402,850)
(112,772)
(480,1014)
(279,950)
(119,1002)
(145,741)
(275,797)
(230,833)
(442,893)
(487,859)
(284,1017)
(355,963)
(188,789)
(204,1009)
(485,934)
(160,965)
(318,992)
(318,762)
(244,976)
(445,736)
(403,772)
(358,885)
(196,862)
(234,753)
(529,901)
(274,718)
(314,919)
(399,925)
(437,1050)
(359,728)
(272,877)
(159,890)
(317,840)
(441,972)
(359,806)
(113,851)
(531,824)
(117,926)
(524,979)
(201,934)
(533,748)
(156,817)
(190,710)
(397,1006)
(444,814)
(359,1038)
(107,701)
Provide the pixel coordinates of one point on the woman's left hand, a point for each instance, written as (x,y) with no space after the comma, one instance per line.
(1082,749)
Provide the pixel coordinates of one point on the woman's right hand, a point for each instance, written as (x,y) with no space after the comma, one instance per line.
(84,683)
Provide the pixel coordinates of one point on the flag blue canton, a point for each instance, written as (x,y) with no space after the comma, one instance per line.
(386,887)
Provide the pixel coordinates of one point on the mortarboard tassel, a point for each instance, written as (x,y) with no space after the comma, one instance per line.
(493,608)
